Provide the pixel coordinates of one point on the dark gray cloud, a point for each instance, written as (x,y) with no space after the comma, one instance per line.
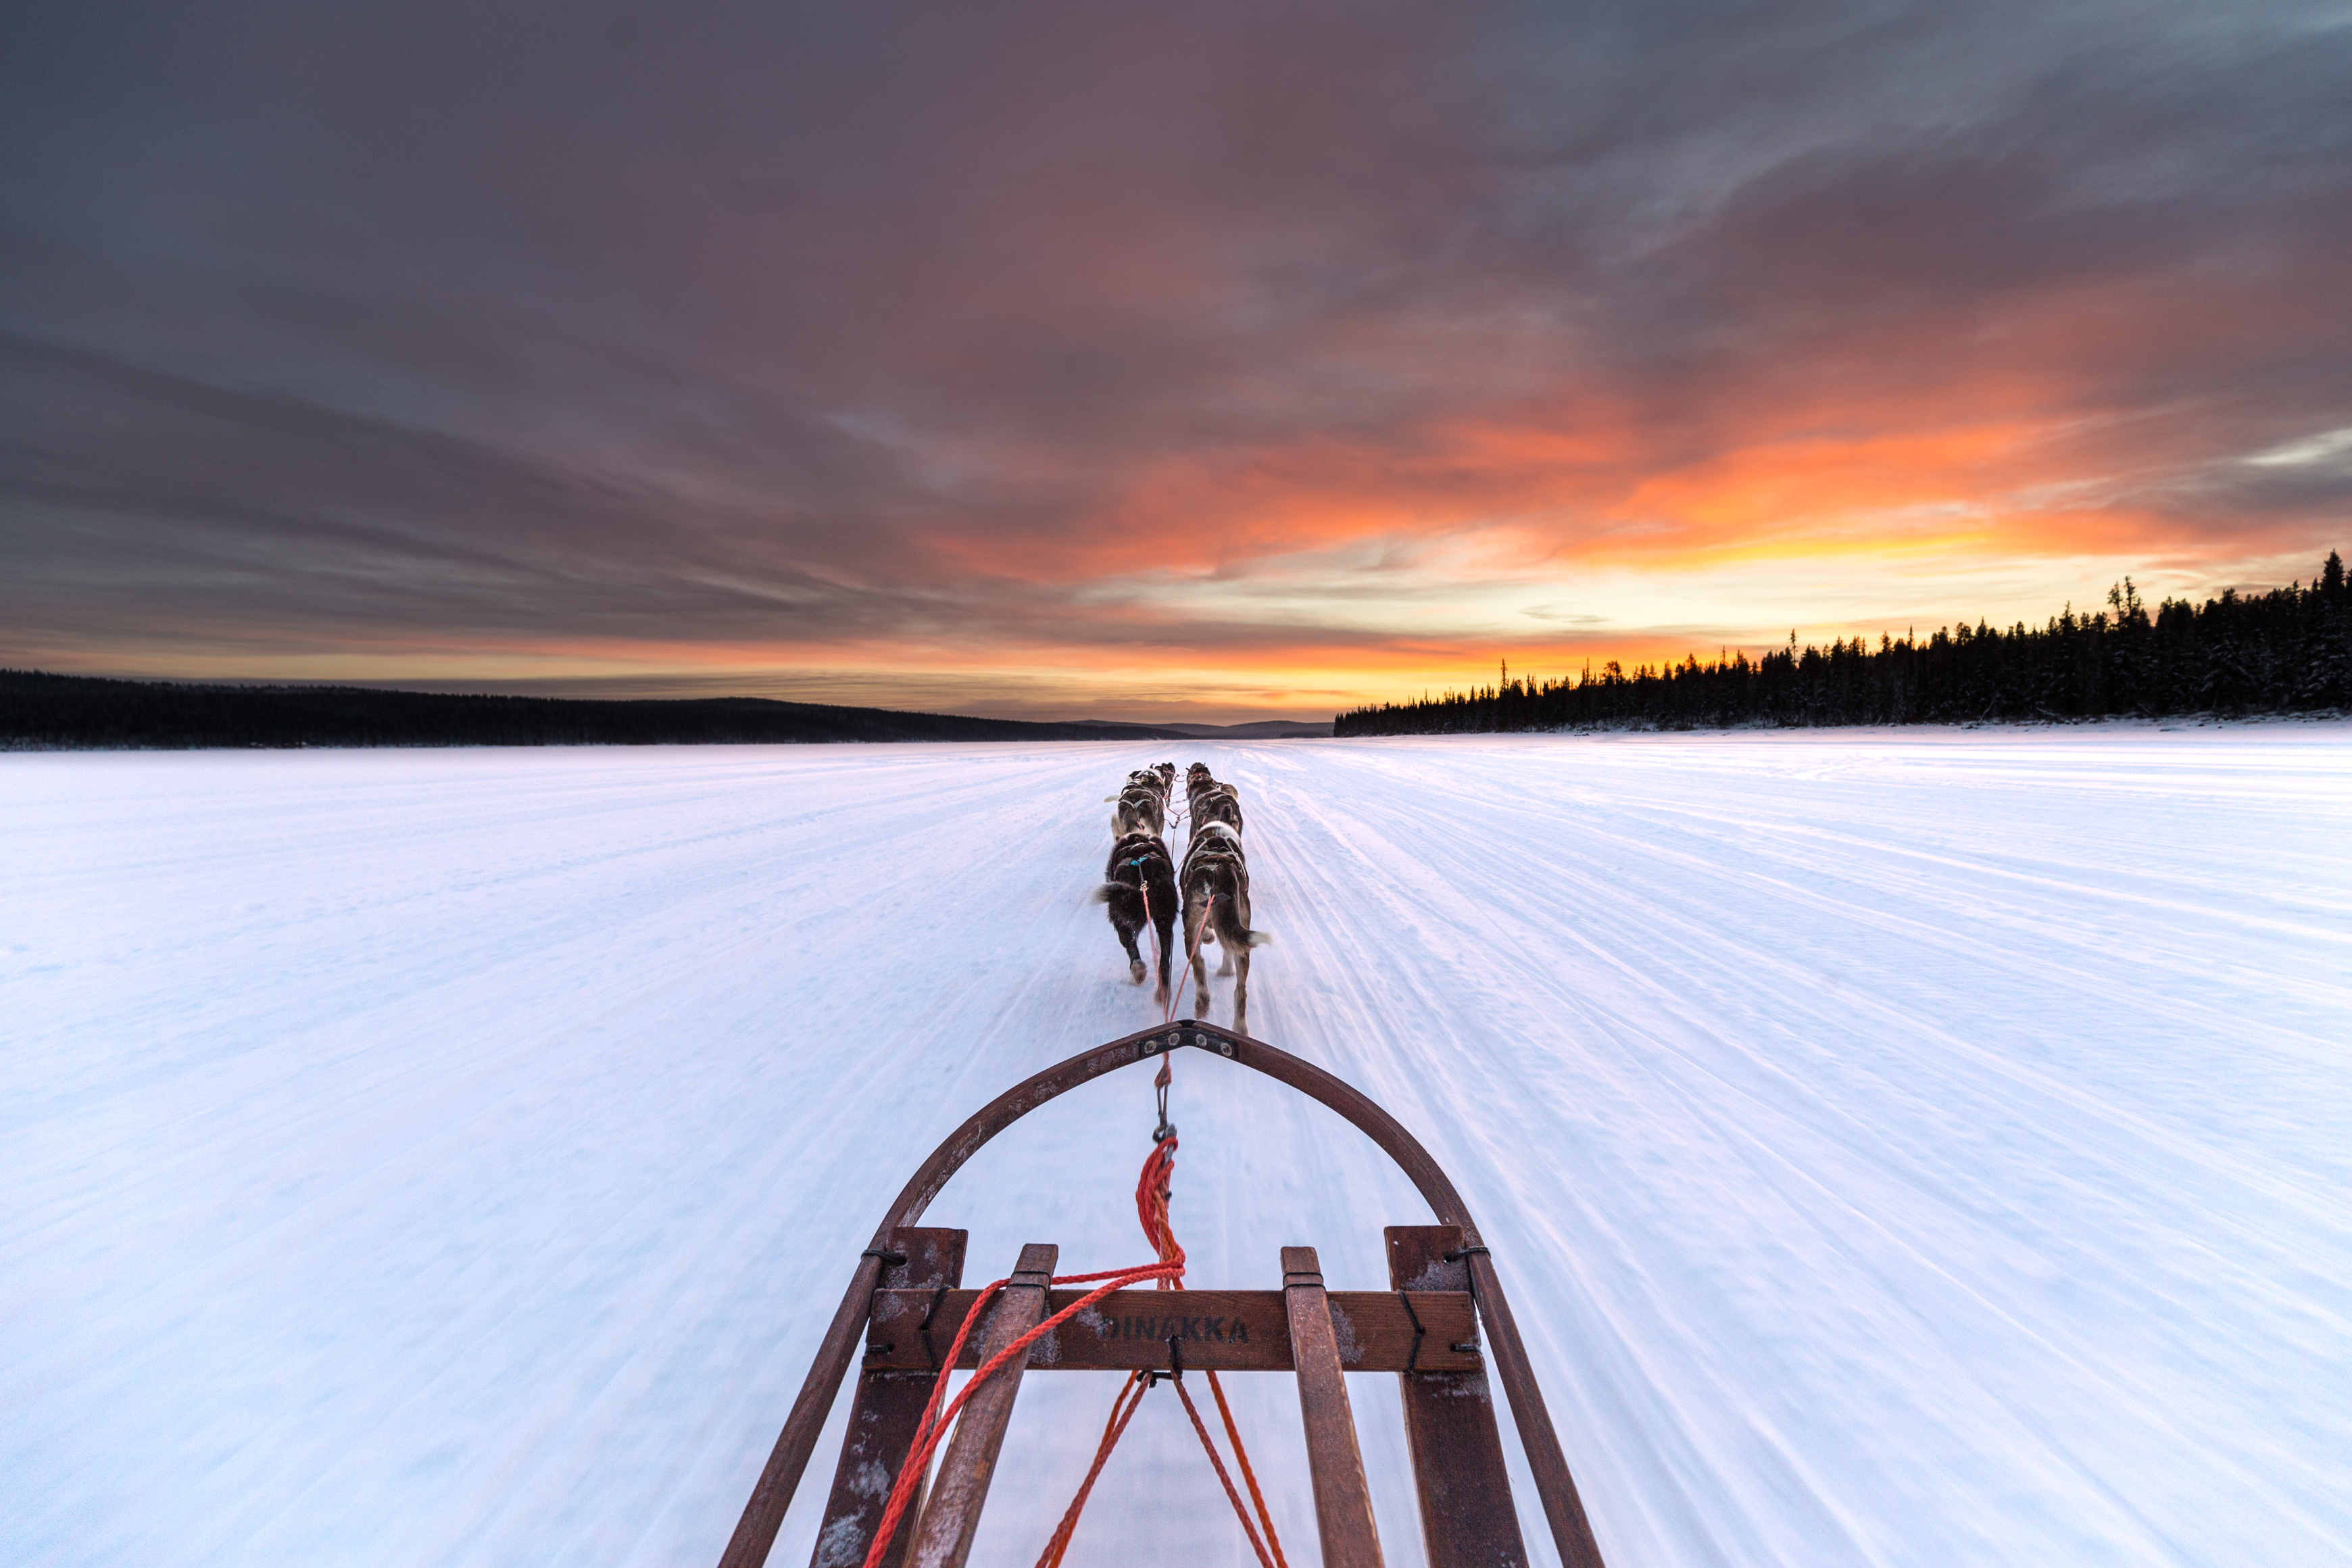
(740,322)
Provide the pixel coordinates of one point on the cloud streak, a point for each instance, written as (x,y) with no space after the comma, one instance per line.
(1316,348)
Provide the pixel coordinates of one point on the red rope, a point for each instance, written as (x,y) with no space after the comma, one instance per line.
(1122,1411)
(1152,1198)
(1223,1480)
(1175,992)
(1168,1015)
(1192,957)
(1249,1476)
(1151,1195)
(935,1421)
(1153,1191)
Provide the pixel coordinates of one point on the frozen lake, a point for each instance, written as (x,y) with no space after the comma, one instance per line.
(1903,1147)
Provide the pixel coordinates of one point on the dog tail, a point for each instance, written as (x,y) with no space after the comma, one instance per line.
(1260,937)
(1104,892)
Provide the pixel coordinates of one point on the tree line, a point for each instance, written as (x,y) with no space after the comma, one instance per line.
(75,712)
(2283,651)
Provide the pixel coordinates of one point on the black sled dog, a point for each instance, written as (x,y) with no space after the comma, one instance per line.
(1140,886)
(1215,881)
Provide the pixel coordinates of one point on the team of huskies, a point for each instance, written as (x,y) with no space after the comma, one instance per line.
(1145,886)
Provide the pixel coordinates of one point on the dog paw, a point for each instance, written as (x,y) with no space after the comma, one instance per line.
(1135,972)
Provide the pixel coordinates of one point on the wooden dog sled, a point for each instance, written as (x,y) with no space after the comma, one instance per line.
(906,1302)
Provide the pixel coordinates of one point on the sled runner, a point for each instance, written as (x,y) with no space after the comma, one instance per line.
(906,1301)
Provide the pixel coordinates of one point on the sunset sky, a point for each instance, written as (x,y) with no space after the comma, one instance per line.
(1197,360)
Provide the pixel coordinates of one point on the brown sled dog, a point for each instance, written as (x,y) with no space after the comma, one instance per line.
(1140,886)
(1208,801)
(1215,883)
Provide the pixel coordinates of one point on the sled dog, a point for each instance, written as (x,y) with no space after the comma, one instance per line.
(1215,884)
(1143,802)
(1209,801)
(1140,886)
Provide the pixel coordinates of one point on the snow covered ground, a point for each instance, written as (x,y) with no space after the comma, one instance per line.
(1903,1147)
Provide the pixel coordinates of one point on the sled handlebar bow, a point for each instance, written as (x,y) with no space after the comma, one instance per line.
(755,1533)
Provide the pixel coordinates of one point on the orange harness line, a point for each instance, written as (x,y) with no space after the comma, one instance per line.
(1151,1194)
(1122,1411)
(1176,992)
(934,1424)
(1224,1480)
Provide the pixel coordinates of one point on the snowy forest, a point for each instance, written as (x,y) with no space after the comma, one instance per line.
(2286,650)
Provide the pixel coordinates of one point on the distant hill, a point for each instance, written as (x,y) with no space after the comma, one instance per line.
(75,712)
(1262,729)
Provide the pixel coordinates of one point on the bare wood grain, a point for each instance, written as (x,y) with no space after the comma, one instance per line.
(1466,1517)
(1221,1331)
(885,1412)
(1343,1502)
(943,1540)
(755,1533)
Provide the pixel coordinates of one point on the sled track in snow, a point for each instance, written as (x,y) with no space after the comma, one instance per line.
(1934,1142)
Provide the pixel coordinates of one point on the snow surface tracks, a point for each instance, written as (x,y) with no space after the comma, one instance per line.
(1903,1148)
